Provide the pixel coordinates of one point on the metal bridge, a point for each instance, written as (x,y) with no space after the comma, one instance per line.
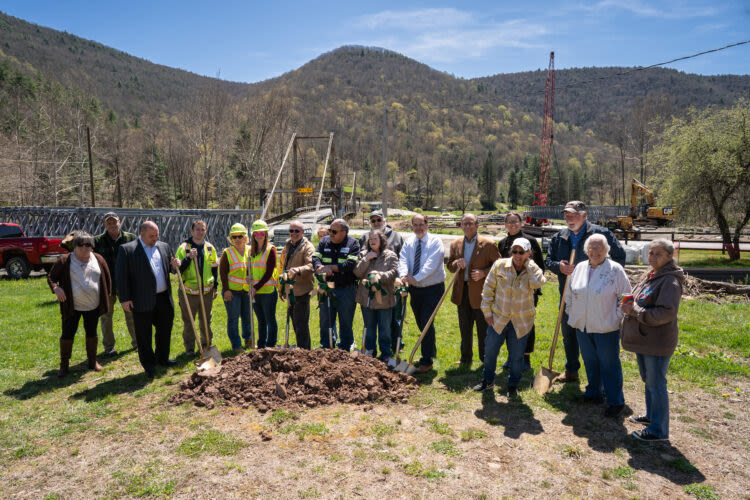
(593,212)
(174,225)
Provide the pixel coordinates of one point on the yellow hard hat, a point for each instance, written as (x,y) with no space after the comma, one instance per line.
(238,229)
(259,226)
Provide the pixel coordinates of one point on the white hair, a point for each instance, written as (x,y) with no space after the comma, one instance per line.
(596,238)
(664,244)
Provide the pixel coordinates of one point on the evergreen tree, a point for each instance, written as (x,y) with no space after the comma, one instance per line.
(489,183)
(513,189)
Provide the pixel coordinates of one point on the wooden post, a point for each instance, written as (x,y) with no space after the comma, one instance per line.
(91,167)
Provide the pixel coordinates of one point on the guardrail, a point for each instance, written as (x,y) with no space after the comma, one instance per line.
(174,224)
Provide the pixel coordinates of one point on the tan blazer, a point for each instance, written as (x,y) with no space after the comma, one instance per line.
(302,264)
(485,254)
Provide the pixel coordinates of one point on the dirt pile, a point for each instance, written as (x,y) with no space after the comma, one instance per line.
(294,378)
(696,288)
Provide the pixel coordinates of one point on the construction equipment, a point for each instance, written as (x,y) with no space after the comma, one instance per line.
(205,362)
(411,368)
(540,197)
(546,375)
(649,213)
(622,226)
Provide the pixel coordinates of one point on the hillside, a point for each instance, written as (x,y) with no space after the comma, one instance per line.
(205,142)
(130,85)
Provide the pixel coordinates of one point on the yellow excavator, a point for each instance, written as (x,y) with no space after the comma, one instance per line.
(643,215)
(649,213)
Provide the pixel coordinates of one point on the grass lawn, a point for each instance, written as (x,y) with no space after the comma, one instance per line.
(112,434)
(708,258)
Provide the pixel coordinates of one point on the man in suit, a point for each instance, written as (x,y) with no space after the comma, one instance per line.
(142,270)
(472,255)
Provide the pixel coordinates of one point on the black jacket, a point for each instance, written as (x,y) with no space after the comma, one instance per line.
(135,280)
(344,255)
(559,249)
(105,246)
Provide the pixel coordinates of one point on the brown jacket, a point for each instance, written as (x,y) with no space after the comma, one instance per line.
(485,254)
(59,275)
(386,263)
(301,262)
(651,328)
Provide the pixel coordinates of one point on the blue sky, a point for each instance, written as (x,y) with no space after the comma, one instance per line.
(252,41)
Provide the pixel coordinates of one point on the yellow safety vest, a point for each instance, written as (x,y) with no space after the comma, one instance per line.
(188,277)
(258,265)
(237,275)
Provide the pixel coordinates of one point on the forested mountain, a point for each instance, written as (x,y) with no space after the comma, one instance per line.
(167,137)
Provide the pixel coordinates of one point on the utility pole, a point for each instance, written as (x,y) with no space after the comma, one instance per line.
(91,167)
(383,166)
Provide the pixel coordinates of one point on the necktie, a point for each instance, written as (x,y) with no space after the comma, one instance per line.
(417,258)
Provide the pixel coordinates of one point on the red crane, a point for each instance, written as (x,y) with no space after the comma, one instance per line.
(540,198)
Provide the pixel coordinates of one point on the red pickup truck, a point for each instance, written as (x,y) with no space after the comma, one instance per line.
(20,255)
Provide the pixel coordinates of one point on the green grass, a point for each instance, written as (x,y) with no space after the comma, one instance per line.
(711,258)
(446,447)
(702,491)
(39,413)
(211,442)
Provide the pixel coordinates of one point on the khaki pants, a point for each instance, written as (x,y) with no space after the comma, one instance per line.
(188,333)
(108,336)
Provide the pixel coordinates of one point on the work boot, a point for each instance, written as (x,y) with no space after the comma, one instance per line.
(91,345)
(66,348)
(567,377)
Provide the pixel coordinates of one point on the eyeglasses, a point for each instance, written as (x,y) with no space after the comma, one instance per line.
(295,231)
(237,236)
(375,221)
(87,245)
(516,252)
(334,231)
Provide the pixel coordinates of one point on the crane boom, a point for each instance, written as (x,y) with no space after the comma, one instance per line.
(540,198)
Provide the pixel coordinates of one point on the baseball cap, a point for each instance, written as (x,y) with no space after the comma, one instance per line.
(523,243)
(110,215)
(377,213)
(575,207)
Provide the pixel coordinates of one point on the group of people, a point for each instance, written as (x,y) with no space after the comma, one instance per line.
(496,293)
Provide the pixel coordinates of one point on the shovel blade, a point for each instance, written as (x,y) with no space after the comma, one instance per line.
(213,353)
(411,370)
(206,363)
(544,379)
(402,366)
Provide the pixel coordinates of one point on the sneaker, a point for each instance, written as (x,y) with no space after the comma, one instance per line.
(512,392)
(639,419)
(109,353)
(646,435)
(613,410)
(483,386)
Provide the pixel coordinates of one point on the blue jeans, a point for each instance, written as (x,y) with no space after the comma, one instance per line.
(654,374)
(264,306)
(601,359)
(378,324)
(345,312)
(423,303)
(492,344)
(238,307)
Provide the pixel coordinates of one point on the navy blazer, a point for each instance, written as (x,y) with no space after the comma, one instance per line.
(135,280)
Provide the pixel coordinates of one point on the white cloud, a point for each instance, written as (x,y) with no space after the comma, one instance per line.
(669,10)
(445,35)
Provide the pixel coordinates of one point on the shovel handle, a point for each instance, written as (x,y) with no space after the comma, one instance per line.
(203,304)
(560,312)
(286,335)
(190,312)
(432,318)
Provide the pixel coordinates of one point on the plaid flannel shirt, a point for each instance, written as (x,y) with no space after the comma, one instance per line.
(509,296)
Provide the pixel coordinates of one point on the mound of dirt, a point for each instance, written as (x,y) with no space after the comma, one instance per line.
(294,378)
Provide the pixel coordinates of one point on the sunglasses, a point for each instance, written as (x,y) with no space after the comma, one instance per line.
(87,245)
(334,231)
(237,236)
(295,231)
(517,252)
(373,221)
